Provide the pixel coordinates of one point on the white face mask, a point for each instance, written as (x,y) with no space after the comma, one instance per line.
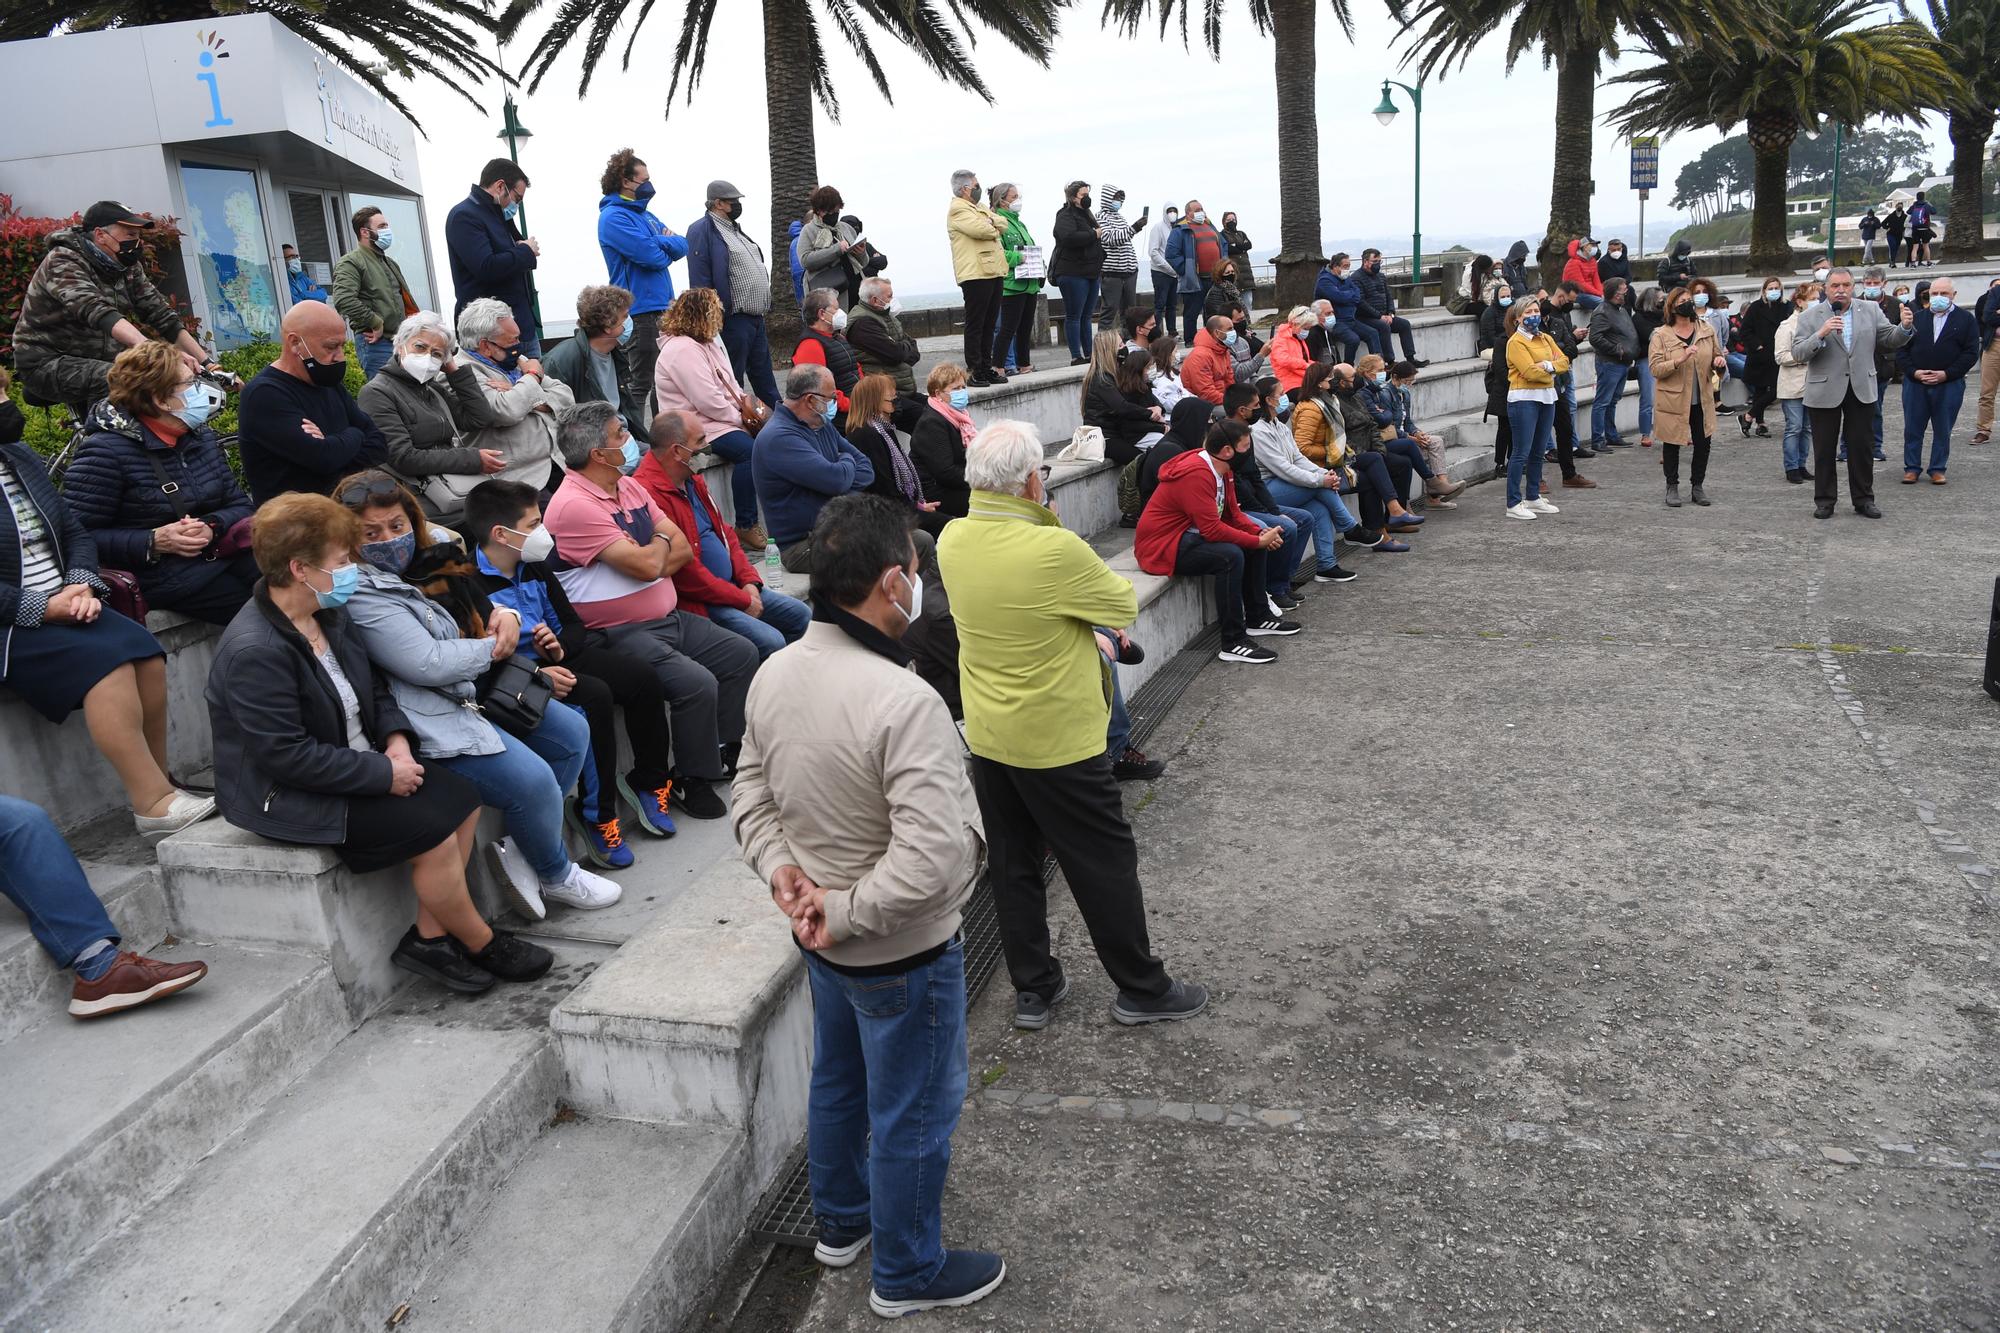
(421,366)
(895,306)
(839,320)
(536,546)
(916,606)
(1199,216)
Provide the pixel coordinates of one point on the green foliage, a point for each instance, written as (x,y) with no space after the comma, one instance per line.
(1127,16)
(24,240)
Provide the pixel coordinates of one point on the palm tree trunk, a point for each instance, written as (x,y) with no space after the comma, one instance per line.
(788,77)
(1771,144)
(1569,184)
(1293,27)
(1965,228)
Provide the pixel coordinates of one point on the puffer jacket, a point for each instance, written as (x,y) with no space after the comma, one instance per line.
(1289,357)
(426,424)
(430,666)
(1677,269)
(1079,252)
(1375,289)
(1514,270)
(76,553)
(75,297)
(113,490)
(1581,269)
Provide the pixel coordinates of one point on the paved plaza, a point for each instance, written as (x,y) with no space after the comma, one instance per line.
(1600,915)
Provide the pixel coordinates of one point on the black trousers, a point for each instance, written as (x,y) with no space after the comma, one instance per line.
(216,601)
(1379,478)
(1017,330)
(1238,572)
(1699,436)
(982,308)
(1076,813)
(1854,422)
(606,678)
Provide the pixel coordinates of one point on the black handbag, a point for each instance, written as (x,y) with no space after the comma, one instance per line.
(1992,681)
(514,695)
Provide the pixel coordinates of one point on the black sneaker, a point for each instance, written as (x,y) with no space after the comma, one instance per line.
(1260,629)
(1184,999)
(1583,451)
(838,1246)
(1248,652)
(1031,1011)
(1284,601)
(442,960)
(1361,537)
(1337,574)
(511,958)
(967,1276)
(696,798)
(1795,476)
(1134,766)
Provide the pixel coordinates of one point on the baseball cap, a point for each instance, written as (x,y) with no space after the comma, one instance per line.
(106,212)
(722,190)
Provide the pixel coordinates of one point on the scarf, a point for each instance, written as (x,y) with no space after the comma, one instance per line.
(906,471)
(859,630)
(966,430)
(513,376)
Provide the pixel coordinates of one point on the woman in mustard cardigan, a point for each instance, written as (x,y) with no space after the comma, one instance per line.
(1533,362)
(1683,354)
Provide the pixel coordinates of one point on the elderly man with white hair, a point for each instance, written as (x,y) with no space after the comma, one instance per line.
(1027,593)
(523,404)
(425,401)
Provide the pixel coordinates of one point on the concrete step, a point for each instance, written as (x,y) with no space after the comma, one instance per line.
(108,1113)
(31,985)
(332,1200)
(606,1225)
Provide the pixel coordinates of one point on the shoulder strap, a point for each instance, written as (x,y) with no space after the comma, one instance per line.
(170,489)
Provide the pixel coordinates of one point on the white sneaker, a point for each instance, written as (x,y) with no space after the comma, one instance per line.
(185,809)
(511,868)
(1540,504)
(583,890)
(1521,510)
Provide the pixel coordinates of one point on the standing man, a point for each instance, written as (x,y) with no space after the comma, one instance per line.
(1027,592)
(1987,314)
(1375,292)
(1166,281)
(299,428)
(722,257)
(1194,248)
(979,266)
(489,256)
(852,802)
(1836,339)
(302,286)
(369,290)
(1118,288)
(1943,346)
(639,253)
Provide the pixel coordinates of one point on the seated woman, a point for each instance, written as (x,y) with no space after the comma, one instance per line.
(1296,481)
(592,362)
(433,673)
(1165,373)
(1380,506)
(1129,425)
(1289,354)
(1493,320)
(153,486)
(937,443)
(310,748)
(871,430)
(823,342)
(426,401)
(1322,429)
(693,374)
(60,647)
(1372,375)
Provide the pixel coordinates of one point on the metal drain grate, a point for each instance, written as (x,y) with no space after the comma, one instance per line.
(785,1215)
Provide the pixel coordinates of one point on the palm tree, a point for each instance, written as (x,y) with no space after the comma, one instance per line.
(372,38)
(1807,60)
(1293,26)
(1576,37)
(1968,31)
(795,71)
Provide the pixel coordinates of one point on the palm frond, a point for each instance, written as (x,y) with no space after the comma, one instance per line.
(1128,16)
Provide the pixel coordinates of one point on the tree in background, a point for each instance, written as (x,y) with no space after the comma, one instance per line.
(373,39)
(1806,60)
(796,73)
(1294,29)
(1711,184)
(1968,32)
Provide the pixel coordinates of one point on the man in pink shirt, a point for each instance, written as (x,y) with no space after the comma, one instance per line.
(615,556)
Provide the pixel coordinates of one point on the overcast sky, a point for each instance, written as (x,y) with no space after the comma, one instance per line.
(1143,114)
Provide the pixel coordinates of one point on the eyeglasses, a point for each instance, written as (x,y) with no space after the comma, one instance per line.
(357,495)
(1046,472)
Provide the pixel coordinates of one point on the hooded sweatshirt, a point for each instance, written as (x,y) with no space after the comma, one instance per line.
(638,253)
(1514,268)
(1581,269)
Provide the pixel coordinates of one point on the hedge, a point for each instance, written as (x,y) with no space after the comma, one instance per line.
(24,239)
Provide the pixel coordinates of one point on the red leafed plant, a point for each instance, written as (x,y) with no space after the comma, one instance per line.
(24,239)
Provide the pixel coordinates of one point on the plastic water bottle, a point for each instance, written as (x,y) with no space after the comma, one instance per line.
(774,573)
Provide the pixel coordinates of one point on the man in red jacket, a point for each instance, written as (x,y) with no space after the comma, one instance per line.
(1192,525)
(1208,369)
(720,582)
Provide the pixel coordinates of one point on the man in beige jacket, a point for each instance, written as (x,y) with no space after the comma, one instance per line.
(980,265)
(852,800)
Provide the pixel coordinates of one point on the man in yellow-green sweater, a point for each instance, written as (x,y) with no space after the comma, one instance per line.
(1026,593)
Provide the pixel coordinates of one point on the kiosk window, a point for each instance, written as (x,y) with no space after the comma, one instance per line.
(225,226)
(407,225)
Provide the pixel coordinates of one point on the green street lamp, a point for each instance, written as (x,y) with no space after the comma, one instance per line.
(1386,114)
(513,131)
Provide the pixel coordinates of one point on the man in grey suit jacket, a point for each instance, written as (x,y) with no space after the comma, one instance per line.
(1836,340)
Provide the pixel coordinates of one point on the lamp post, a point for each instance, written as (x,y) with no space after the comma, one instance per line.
(1386,114)
(1833,203)
(513,131)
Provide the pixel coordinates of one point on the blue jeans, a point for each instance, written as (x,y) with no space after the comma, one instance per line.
(1192,319)
(1645,369)
(749,350)
(1534,428)
(1166,302)
(734,447)
(1079,313)
(374,355)
(1327,514)
(39,874)
(1935,406)
(1282,563)
(1119,734)
(1798,435)
(1604,407)
(1565,402)
(1353,333)
(1588,301)
(526,781)
(785,619)
(888,1076)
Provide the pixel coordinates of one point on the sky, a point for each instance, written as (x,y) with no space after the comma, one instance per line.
(1108,108)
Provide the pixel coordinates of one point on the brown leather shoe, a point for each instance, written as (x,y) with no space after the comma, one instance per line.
(752,538)
(1981,436)
(1909,478)
(132,981)
(1579,483)
(1937,478)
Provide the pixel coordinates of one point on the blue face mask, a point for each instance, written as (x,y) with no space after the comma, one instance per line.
(625,334)
(959,398)
(631,453)
(1229,338)
(384,238)
(1381,377)
(1701,300)
(1532,323)
(830,411)
(1506,301)
(643,191)
(1775,294)
(196,406)
(510,210)
(1114,204)
(1940,304)
(1872,293)
(393,555)
(1284,403)
(345,580)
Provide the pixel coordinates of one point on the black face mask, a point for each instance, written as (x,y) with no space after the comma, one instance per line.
(732,209)
(1685,310)
(325,374)
(1083,202)
(129,252)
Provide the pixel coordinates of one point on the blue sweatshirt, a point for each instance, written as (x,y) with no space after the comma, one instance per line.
(638,253)
(799,467)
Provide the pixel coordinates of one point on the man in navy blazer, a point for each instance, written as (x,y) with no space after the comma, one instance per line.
(1944,344)
(489,256)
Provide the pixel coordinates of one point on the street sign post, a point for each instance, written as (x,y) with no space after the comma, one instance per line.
(1645,175)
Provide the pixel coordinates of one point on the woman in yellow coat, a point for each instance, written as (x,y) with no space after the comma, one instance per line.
(1534,360)
(1683,354)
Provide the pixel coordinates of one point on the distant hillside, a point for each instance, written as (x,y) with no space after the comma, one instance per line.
(1729,229)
